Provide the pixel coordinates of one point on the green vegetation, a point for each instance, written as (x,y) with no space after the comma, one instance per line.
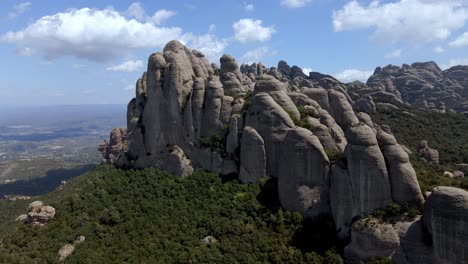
(302,122)
(444,132)
(306,112)
(9,211)
(247,102)
(149,216)
(395,211)
(216,142)
(336,156)
(430,175)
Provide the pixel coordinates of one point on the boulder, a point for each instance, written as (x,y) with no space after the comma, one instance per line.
(446,219)
(370,238)
(39,214)
(429,154)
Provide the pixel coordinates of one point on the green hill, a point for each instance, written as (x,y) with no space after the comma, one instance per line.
(445,132)
(149,216)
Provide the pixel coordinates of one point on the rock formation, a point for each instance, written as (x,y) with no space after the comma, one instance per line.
(306,131)
(67,249)
(39,214)
(422,85)
(429,154)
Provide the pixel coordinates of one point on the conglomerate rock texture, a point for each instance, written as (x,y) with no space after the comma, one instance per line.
(421,84)
(254,121)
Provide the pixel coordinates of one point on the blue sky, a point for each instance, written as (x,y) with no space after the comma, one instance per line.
(77,52)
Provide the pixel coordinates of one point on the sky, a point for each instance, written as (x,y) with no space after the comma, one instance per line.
(92,52)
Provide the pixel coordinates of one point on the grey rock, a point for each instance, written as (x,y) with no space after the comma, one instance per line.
(405,187)
(446,218)
(371,239)
(303,173)
(252,156)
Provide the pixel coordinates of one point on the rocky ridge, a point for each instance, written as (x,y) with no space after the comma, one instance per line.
(252,121)
(423,85)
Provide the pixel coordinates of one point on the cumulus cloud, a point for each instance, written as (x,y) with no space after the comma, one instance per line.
(98,35)
(460,41)
(404,20)
(19,9)
(127,66)
(394,54)
(248,7)
(306,71)
(295,3)
(208,43)
(137,11)
(161,16)
(249,30)
(257,55)
(351,75)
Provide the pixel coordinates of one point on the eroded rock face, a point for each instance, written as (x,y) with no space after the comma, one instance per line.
(429,154)
(446,219)
(116,145)
(252,157)
(39,214)
(405,187)
(255,122)
(422,85)
(303,173)
(371,239)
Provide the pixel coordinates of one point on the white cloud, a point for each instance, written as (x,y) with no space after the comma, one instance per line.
(351,75)
(461,41)
(306,71)
(209,44)
(249,30)
(394,54)
(248,7)
(98,35)
(295,3)
(257,55)
(137,11)
(128,66)
(161,16)
(438,49)
(19,9)
(404,20)
(454,62)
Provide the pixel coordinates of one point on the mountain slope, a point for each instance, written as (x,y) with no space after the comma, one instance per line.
(150,216)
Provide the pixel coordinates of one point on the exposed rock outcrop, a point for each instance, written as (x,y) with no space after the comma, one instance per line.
(429,154)
(39,214)
(67,249)
(422,85)
(255,122)
(446,219)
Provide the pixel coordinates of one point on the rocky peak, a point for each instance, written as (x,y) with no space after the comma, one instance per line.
(255,122)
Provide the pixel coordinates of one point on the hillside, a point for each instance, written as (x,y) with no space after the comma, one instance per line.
(148,216)
(444,132)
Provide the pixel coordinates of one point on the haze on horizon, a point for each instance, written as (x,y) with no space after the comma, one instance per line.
(83,52)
